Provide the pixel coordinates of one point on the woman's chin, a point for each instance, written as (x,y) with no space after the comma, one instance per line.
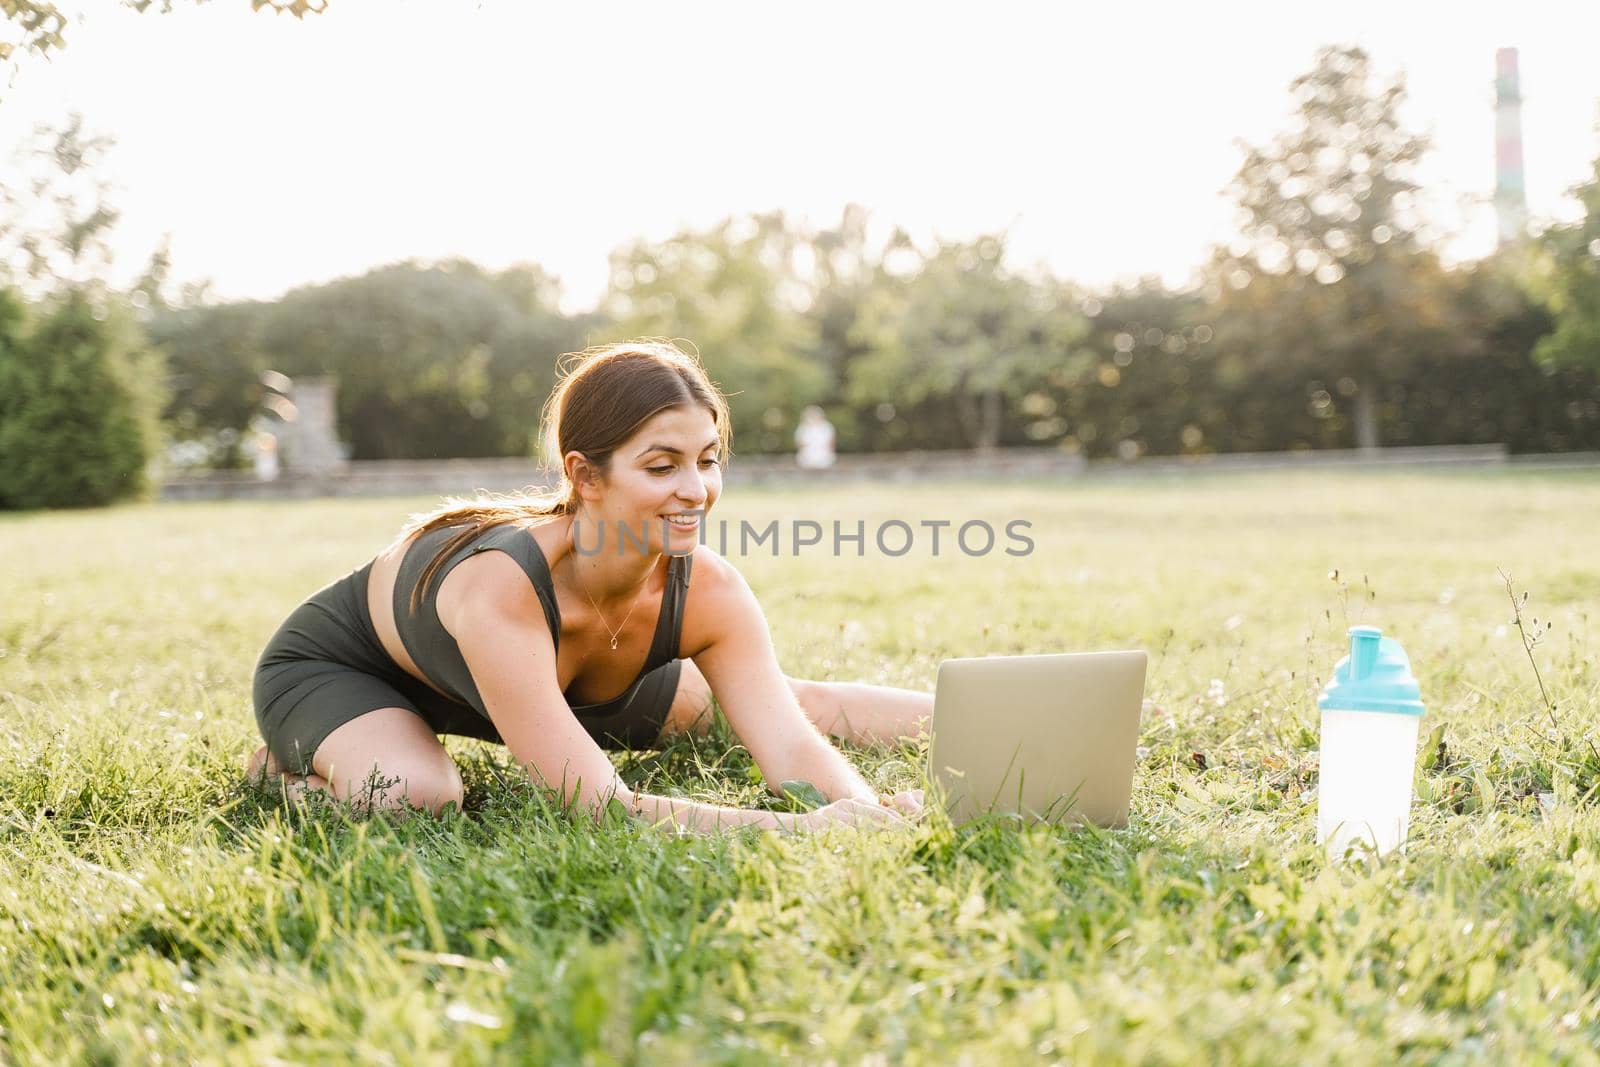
(667,536)
(681,540)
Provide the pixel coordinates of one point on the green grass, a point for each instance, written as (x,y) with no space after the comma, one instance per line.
(151,907)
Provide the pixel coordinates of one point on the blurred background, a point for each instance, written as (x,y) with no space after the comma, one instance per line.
(256,239)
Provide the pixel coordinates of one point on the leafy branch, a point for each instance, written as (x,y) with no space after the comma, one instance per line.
(38,26)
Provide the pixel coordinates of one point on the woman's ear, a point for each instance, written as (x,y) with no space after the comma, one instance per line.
(582,474)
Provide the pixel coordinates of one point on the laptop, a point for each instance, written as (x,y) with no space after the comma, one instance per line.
(1048,737)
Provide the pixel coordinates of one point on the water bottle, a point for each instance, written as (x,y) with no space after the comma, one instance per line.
(1370,714)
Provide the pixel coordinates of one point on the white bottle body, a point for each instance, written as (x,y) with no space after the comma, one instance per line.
(1364,795)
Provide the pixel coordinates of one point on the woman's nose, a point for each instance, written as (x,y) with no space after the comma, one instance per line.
(691,489)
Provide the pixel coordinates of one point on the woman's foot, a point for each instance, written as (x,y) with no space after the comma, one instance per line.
(261,766)
(262,771)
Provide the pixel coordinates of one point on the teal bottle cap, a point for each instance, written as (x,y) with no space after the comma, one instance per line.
(1375,676)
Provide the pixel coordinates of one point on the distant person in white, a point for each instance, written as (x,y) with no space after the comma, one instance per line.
(813,439)
(266,456)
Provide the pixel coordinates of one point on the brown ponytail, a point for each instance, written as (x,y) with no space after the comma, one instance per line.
(604,395)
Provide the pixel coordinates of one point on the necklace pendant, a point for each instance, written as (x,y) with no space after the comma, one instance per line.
(613,644)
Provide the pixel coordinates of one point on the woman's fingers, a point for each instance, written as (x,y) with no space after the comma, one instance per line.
(889,813)
(867,815)
(907,801)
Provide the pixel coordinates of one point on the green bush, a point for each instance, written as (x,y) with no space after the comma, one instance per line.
(80,396)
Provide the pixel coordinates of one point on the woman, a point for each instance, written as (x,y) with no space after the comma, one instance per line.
(527,622)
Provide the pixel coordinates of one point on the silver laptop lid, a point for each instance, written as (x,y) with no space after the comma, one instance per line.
(1050,736)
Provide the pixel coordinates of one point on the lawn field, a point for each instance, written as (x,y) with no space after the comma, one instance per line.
(153,909)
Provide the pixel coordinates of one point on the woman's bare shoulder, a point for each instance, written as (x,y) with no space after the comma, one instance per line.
(718,598)
(713,575)
(488,585)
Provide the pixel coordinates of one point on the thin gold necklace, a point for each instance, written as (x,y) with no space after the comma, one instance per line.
(582,585)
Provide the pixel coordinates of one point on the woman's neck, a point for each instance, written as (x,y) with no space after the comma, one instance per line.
(602,571)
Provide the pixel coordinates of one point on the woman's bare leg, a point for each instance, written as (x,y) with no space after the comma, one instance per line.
(691,707)
(388,758)
(865,714)
(851,711)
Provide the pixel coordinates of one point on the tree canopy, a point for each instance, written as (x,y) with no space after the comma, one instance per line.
(1334,240)
(431,360)
(740,294)
(79,396)
(1569,281)
(965,328)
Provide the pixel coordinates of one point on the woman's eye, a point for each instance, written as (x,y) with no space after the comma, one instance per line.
(706,463)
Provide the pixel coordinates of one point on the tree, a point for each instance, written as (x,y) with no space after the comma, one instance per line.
(844,270)
(1569,282)
(431,361)
(80,393)
(737,291)
(13,325)
(1508,395)
(1332,224)
(1143,384)
(964,328)
(79,400)
(54,218)
(215,358)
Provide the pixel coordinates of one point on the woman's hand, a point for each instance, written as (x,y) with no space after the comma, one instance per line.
(908,802)
(851,811)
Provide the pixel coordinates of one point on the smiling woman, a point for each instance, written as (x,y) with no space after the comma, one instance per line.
(529,622)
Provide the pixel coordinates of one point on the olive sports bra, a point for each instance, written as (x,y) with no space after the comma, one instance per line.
(436,653)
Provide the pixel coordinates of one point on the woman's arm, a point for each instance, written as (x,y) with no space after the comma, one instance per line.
(506,643)
(734,652)
(674,813)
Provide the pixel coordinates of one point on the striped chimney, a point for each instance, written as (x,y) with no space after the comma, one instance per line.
(1510,201)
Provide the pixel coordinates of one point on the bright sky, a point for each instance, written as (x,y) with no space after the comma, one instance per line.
(277,152)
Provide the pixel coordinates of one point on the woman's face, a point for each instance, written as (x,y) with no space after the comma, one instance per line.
(670,467)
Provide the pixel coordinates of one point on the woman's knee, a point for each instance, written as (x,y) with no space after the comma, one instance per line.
(389,758)
(691,704)
(400,784)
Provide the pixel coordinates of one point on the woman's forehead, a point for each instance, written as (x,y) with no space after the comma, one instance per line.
(683,428)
